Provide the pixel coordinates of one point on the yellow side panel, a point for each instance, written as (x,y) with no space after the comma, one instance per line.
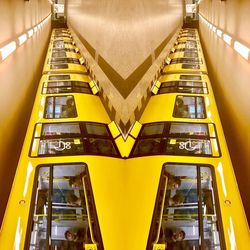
(136,129)
(114,129)
(125,146)
(155,90)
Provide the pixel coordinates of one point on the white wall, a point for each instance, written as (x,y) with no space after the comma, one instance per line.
(19,76)
(230,74)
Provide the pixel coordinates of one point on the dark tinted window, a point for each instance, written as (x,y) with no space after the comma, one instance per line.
(186,60)
(64,49)
(59,77)
(63,60)
(190,54)
(59,66)
(190,66)
(60,107)
(176,138)
(185,50)
(190,77)
(59,54)
(183,87)
(189,107)
(74,138)
(66,87)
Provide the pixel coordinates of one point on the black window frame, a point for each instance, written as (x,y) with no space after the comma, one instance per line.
(165,136)
(33,201)
(72,85)
(83,135)
(63,60)
(216,199)
(177,85)
(185,50)
(190,77)
(65,50)
(59,66)
(57,96)
(190,66)
(186,60)
(191,96)
(61,77)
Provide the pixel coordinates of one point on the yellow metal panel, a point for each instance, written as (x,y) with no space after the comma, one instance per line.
(114,129)
(159,247)
(95,90)
(91,84)
(167,60)
(125,146)
(35,147)
(158,84)
(90,247)
(155,90)
(82,60)
(136,129)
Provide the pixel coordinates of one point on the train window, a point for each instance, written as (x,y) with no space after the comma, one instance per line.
(185,60)
(152,129)
(61,41)
(59,66)
(63,213)
(58,44)
(66,87)
(60,107)
(186,50)
(96,129)
(190,77)
(190,54)
(84,138)
(189,107)
(63,60)
(191,46)
(186,213)
(183,87)
(59,77)
(190,66)
(177,138)
(59,54)
(64,50)
(187,42)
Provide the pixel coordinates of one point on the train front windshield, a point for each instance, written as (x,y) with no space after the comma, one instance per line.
(186,212)
(64,215)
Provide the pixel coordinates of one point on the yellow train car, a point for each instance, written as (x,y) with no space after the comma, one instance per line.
(68,167)
(188,185)
(63,195)
(175,190)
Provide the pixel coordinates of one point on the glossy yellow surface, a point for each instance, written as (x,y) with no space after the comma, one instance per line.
(72,68)
(73,77)
(176,77)
(125,190)
(68,54)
